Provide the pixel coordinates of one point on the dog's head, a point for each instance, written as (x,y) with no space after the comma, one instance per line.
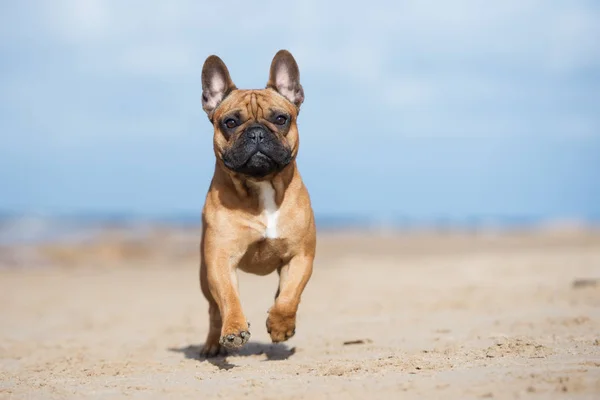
(255,131)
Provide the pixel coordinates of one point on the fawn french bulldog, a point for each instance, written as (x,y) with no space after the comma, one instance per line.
(257,216)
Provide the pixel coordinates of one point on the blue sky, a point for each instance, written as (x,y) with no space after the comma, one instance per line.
(424,109)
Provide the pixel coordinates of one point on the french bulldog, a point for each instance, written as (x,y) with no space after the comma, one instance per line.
(257,215)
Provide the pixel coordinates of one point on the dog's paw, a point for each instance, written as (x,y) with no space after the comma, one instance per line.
(281,325)
(212,350)
(211,347)
(235,340)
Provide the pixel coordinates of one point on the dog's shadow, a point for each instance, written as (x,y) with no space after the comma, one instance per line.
(273,351)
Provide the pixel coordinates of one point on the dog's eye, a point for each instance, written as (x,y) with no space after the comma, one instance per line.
(230,123)
(281,120)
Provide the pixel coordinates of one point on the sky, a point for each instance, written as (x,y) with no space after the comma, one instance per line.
(420,109)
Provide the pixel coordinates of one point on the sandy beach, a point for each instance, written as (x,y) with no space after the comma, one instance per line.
(399,315)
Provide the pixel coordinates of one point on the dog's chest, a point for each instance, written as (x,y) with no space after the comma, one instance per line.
(269,209)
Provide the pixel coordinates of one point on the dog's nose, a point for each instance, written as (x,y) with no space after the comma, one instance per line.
(256,134)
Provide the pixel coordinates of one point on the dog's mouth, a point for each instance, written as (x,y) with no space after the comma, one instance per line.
(257,152)
(257,165)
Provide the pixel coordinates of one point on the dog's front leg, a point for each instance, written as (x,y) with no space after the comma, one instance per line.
(293,277)
(221,279)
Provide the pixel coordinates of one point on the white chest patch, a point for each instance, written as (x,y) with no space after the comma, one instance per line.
(270,211)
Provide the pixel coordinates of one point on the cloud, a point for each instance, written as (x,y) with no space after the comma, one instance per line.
(417,58)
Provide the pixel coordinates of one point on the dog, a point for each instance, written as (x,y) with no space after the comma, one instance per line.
(257,216)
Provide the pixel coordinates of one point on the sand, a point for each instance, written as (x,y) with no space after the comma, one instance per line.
(412,316)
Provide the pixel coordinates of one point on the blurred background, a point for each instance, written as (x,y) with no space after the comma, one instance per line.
(451,150)
(417,113)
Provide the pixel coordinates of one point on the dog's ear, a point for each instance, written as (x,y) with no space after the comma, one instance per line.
(284,77)
(216,84)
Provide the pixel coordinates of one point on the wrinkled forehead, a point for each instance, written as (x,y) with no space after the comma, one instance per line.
(254,104)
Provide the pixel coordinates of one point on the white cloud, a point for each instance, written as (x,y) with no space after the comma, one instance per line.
(424,54)
(352,39)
